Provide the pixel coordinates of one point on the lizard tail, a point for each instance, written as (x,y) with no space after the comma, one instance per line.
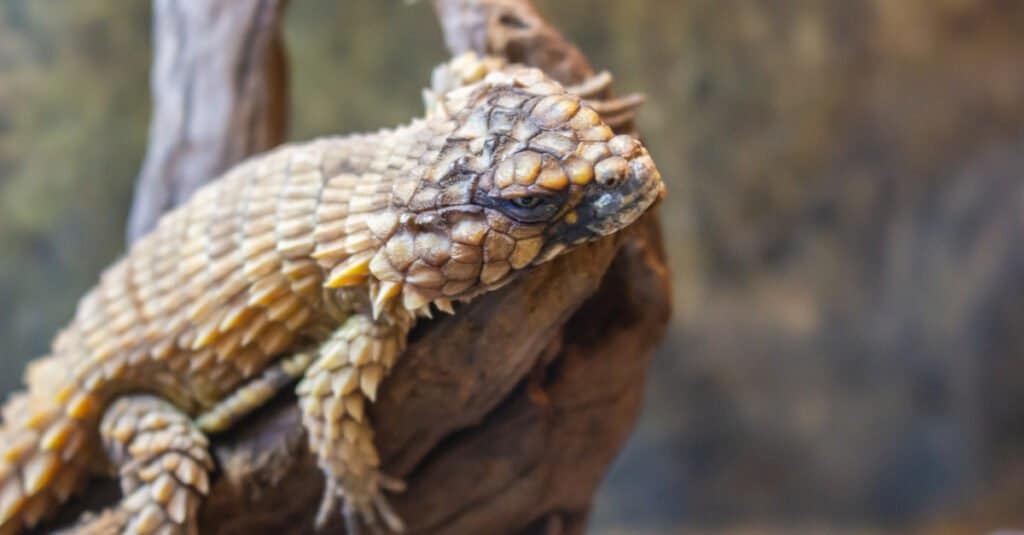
(44,445)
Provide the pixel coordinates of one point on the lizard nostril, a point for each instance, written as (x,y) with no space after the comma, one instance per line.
(611,171)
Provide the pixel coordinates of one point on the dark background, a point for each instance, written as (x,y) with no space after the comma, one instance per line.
(844,222)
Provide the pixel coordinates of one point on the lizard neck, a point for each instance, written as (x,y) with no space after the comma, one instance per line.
(368,181)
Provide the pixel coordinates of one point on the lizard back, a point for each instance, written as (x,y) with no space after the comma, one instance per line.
(226,283)
(235,277)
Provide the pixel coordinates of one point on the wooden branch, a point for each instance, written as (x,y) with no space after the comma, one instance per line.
(219,84)
(503,418)
(512,29)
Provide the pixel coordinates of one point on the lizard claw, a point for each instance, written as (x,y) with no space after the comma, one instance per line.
(367,512)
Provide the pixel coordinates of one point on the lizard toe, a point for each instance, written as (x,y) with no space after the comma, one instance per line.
(366,512)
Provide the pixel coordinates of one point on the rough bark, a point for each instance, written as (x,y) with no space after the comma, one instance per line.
(219,84)
(512,29)
(504,417)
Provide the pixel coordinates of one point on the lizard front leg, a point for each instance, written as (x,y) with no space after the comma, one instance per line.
(333,396)
(164,464)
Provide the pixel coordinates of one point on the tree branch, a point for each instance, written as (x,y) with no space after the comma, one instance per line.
(219,84)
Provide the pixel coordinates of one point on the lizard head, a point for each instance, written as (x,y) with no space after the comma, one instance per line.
(526,172)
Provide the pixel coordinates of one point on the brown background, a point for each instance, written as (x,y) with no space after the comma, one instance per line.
(844,220)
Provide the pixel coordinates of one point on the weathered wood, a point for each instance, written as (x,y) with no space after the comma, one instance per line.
(512,29)
(504,417)
(219,85)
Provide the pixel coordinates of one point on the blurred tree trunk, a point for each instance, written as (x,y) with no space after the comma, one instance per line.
(503,418)
(220,94)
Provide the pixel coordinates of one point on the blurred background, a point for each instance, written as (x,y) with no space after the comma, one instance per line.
(844,222)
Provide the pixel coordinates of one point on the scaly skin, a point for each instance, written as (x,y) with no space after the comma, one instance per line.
(314,260)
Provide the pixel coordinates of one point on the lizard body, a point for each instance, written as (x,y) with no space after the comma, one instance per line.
(312,260)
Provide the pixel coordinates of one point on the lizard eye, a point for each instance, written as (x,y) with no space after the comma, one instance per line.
(529,208)
(527,201)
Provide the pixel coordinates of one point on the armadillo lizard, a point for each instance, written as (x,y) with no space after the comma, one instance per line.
(310,262)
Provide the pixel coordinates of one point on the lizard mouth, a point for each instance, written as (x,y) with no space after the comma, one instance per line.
(614,211)
(607,210)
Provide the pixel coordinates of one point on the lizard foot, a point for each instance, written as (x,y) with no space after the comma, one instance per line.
(366,511)
(164,464)
(333,398)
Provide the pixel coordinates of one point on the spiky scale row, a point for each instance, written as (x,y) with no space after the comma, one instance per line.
(39,445)
(347,373)
(165,464)
(224,285)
